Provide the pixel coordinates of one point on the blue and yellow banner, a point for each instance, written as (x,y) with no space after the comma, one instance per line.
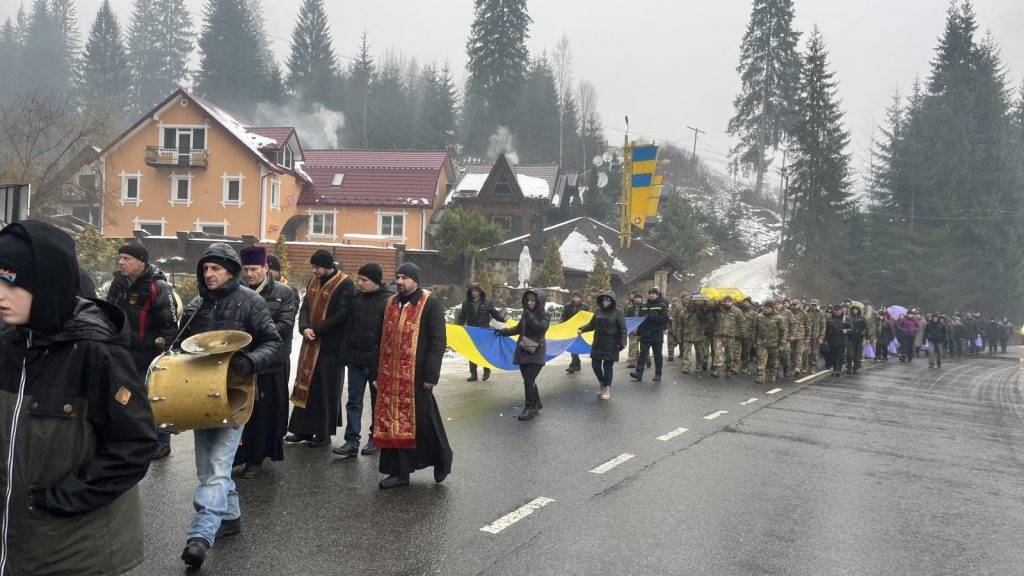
(484,347)
(645,185)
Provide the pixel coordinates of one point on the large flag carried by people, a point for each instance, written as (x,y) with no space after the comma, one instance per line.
(483,347)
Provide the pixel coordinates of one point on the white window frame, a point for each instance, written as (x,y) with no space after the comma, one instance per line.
(139,223)
(179,127)
(275,193)
(380,223)
(201,223)
(334,223)
(338,179)
(287,157)
(125,177)
(175,178)
(227,180)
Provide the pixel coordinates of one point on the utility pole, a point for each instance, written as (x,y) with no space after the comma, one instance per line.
(625,231)
(783,191)
(696,131)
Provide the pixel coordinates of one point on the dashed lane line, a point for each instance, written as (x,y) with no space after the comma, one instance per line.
(811,377)
(611,463)
(714,415)
(774,391)
(515,516)
(748,401)
(671,435)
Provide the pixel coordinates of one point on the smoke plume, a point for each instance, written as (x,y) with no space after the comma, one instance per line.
(316,125)
(502,141)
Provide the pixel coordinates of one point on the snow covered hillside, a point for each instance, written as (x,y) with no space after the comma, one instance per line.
(757,278)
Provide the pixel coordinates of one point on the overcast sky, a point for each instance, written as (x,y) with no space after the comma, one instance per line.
(668,64)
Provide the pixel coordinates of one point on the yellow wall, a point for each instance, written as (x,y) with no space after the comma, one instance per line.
(226,156)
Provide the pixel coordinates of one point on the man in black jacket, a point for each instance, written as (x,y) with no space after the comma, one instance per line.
(361,357)
(857,329)
(142,292)
(477,311)
(263,436)
(652,333)
(574,307)
(224,304)
(935,332)
(75,424)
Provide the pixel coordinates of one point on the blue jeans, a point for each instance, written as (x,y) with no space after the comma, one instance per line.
(354,406)
(163,438)
(215,498)
(603,371)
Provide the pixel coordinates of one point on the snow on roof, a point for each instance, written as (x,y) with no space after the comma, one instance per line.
(239,130)
(580,253)
(471,183)
(533,187)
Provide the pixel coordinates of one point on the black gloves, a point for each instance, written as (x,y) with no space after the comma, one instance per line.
(241,365)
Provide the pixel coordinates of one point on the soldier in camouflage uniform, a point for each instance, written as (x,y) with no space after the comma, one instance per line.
(770,335)
(798,338)
(783,311)
(747,345)
(816,320)
(634,309)
(689,324)
(670,334)
(728,330)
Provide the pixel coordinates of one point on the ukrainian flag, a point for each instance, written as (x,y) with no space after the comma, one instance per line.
(645,189)
(483,347)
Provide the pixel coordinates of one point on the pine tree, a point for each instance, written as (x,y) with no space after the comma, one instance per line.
(43,56)
(231,73)
(572,158)
(536,127)
(361,73)
(10,46)
(273,81)
(390,121)
(551,272)
(769,70)
(105,78)
(497,68)
(678,232)
(815,243)
(312,66)
(159,44)
(437,113)
(598,281)
(66,18)
(461,235)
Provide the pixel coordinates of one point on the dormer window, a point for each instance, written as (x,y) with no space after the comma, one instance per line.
(338,179)
(286,157)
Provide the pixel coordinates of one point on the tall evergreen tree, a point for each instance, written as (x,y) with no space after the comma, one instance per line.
(273,88)
(65,17)
(105,80)
(537,122)
(438,110)
(815,244)
(572,141)
(159,44)
(10,65)
(312,66)
(390,122)
(231,72)
(497,68)
(360,74)
(42,57)
(769,70)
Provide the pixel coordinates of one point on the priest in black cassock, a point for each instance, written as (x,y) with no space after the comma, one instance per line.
(409,430)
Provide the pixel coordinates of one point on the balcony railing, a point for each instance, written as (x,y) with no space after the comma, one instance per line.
(174,158)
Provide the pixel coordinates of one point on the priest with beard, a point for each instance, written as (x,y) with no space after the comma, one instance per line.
(323,323)
(409,430)
(263,436)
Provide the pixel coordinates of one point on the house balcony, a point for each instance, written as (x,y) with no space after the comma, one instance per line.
(159,157)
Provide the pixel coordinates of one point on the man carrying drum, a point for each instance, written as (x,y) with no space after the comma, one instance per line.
(224,304)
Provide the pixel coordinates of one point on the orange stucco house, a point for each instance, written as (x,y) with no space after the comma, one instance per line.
(191,166)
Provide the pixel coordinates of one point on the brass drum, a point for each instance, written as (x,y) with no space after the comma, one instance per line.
(196,392)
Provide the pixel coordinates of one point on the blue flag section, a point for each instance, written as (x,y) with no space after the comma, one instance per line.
(484,347)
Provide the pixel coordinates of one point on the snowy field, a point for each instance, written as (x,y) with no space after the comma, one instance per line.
(757,278)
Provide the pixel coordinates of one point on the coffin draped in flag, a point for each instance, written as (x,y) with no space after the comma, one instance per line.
(484,347)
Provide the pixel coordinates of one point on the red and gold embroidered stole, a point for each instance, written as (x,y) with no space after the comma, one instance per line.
(396,375)
(319,297)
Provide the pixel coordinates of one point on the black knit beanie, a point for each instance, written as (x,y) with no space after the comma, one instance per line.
(322,259)
(372,271)
(411,270)
(135,250)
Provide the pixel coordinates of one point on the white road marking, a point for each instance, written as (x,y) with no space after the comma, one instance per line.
(812,376)
(611,463)
(714,415)
(750,401)
(671,435)
(774,391)
(517,515)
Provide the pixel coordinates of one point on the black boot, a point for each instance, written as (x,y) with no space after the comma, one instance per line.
(195,552)
(229,527)
(394,481)
(487,373)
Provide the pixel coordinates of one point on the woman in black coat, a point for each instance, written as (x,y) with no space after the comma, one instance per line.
(531,350)
(609,326)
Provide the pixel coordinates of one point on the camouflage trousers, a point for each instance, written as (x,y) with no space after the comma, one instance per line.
(811,361)
(727,352)
(767,364)
(672,343)
(692,355)
(633,350)
(746,353)
(796,351)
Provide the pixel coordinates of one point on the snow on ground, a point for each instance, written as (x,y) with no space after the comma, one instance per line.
(757,278)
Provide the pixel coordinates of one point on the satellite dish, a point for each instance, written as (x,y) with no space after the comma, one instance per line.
(602,180)
(607,156)
(598,160)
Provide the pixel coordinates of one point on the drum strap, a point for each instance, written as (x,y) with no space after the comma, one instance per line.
(144,314)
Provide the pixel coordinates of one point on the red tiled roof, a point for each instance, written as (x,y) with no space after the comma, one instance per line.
(279,134)
(411,159)
(370,187)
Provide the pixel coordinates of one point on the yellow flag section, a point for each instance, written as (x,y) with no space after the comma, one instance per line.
(645,185)
(567,329)
(480,347)
(720,293)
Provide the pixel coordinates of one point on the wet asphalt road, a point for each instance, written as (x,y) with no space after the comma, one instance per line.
(897,470)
